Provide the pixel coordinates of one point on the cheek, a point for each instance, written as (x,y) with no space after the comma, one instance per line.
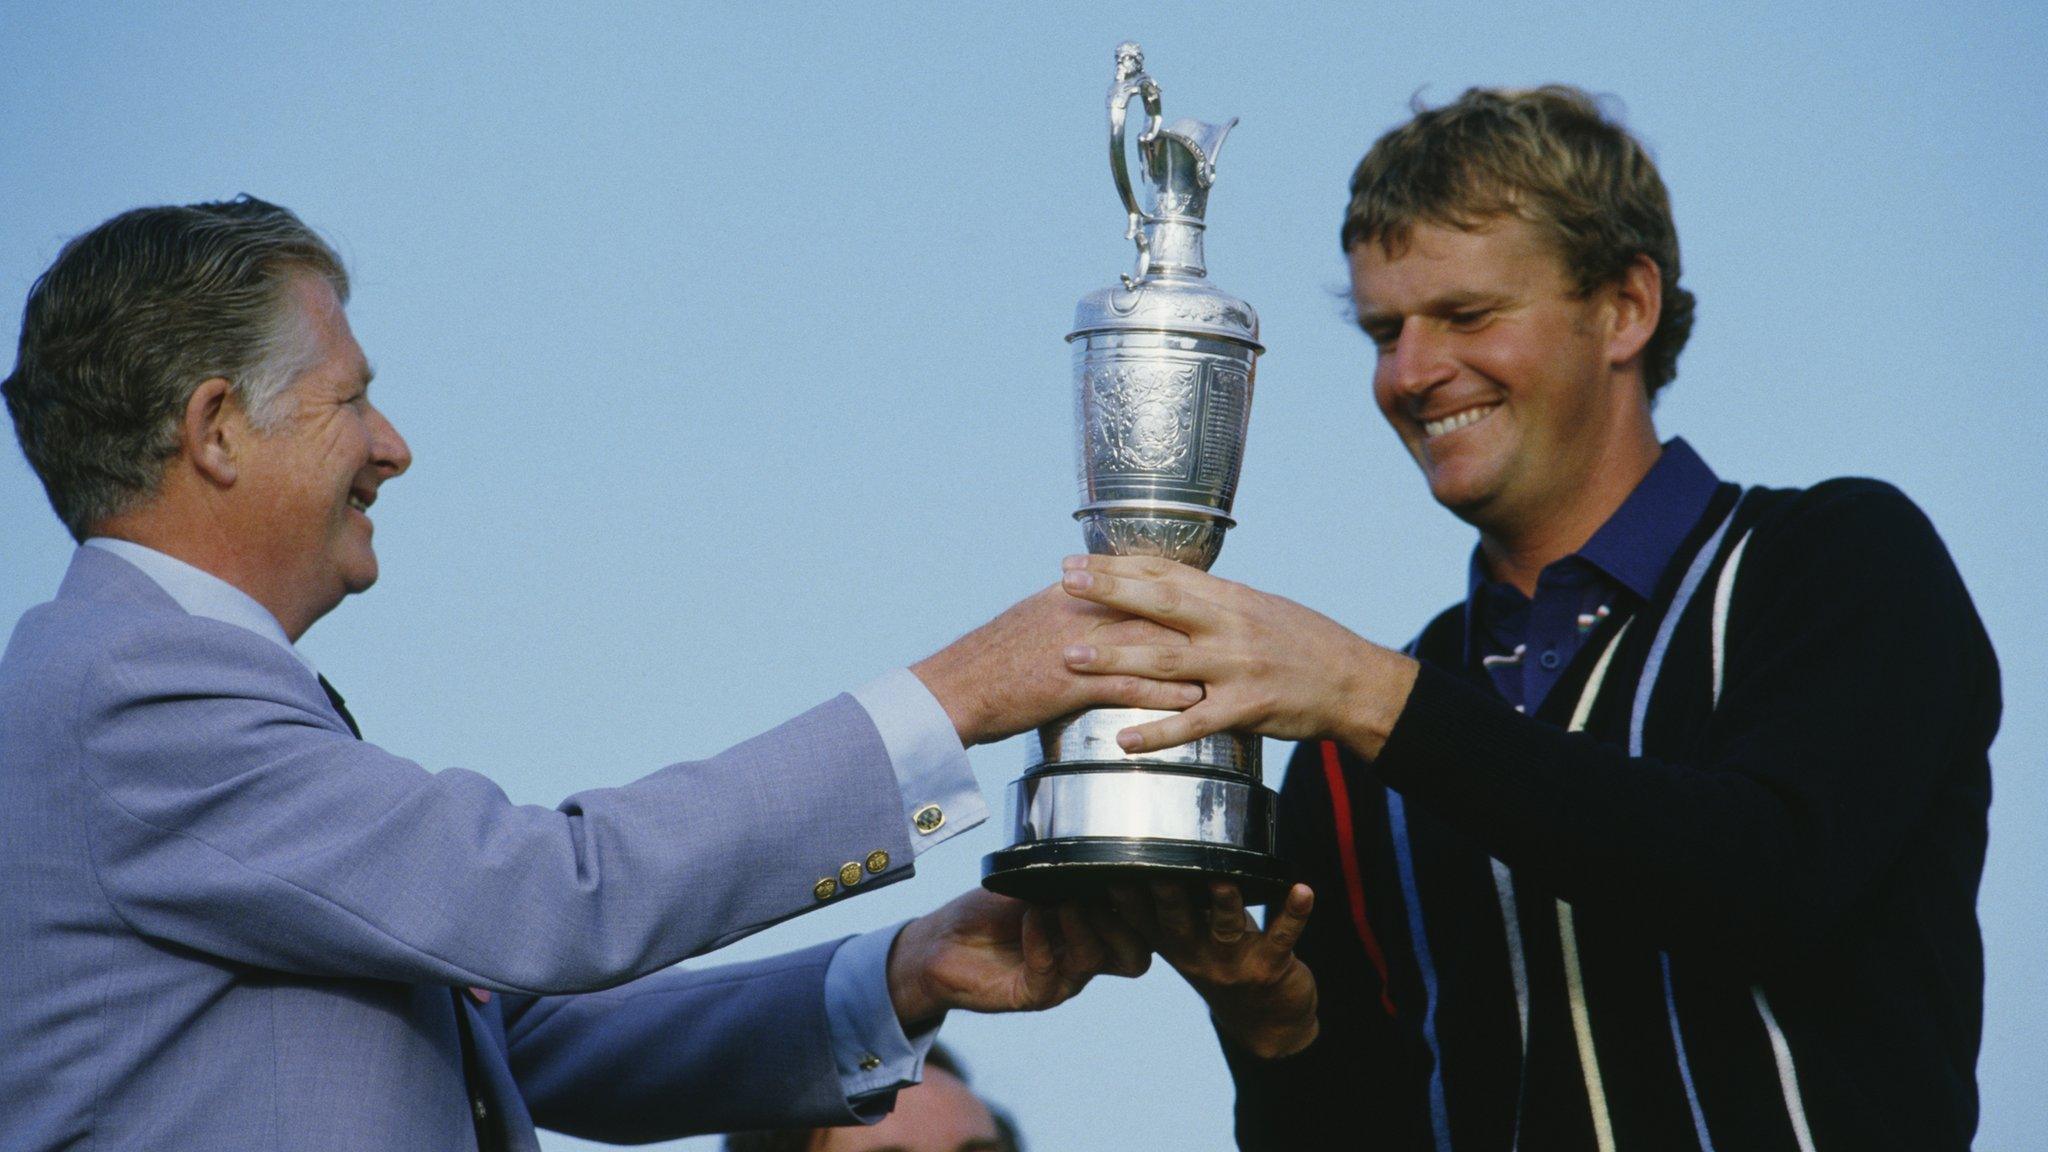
(345,450)
(1386,395)
(1502,355)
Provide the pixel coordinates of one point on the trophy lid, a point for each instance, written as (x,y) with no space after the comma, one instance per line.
(1170,291)
(1168,304)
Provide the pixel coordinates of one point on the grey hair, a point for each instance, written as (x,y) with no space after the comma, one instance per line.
(136,314)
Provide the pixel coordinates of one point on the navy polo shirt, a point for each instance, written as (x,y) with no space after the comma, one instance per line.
(1524,642)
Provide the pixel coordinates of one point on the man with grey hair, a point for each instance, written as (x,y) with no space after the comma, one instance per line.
(231,923)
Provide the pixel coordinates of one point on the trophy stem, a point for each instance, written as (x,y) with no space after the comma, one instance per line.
(1176,246)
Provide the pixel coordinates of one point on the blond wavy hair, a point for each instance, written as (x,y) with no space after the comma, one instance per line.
(1552,156)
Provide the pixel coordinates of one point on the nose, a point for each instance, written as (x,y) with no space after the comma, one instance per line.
(388,450)
(1419,360)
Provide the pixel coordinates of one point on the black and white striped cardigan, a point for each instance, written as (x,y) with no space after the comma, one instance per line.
(1718,894)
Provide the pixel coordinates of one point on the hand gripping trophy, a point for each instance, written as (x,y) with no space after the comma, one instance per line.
(1163,366)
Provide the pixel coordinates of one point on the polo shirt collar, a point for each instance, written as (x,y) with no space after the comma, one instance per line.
(1639,540)
(1637,543)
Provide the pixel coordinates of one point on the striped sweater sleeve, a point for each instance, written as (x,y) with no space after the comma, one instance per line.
(1856,668)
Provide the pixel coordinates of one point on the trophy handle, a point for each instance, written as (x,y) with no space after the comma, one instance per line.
(1131,81)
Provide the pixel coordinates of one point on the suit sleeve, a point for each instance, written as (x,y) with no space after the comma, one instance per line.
(1858,682)
(1355,1085)
(686,1051)
(231,813)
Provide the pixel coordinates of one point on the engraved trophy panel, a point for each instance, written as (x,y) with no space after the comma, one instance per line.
(1137,424)
(1163,366)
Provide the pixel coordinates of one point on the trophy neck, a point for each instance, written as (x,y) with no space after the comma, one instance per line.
(1175,244)
(1180,201)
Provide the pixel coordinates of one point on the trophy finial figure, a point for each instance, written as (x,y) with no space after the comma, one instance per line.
(1130,60)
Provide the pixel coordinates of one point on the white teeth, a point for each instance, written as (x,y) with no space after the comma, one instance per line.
(1457,420)
(359,504)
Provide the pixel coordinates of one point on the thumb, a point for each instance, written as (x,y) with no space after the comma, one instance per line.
(1041,958)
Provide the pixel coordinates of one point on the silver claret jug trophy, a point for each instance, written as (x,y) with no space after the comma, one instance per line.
(1163,366)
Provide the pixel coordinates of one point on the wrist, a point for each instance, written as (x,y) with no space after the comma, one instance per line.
(1376,692)
(954,696)
(1280,1022)
(917,1009)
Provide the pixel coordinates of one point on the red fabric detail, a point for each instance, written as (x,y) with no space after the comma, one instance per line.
(480,995)
(1347,856)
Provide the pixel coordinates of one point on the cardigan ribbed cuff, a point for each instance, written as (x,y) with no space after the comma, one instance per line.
(1456,743)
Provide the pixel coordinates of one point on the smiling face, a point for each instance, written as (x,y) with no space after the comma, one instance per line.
(1520,398)
(307,483)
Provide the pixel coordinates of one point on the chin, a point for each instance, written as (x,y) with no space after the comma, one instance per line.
(1458,490)
(358,577)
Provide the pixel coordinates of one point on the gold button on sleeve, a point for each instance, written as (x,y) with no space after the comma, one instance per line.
(929,819)
(877,860)
(825,889)
(869,1062)
(849,874)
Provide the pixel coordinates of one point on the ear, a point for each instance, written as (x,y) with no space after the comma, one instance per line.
(1638,300)
(211,431)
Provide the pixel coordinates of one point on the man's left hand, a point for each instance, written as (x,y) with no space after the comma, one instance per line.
(989,953)
(1268,665)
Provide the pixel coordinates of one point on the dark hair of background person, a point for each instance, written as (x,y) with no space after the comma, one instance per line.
(802,1139)
(132,317)
(1552,156)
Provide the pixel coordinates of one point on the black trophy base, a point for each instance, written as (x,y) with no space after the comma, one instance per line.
(1051,871)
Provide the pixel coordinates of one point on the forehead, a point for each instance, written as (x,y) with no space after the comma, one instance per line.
(1505,256)
(336,356)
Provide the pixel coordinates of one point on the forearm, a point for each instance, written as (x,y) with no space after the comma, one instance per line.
(1341,1091)
(1742,854)
(228,816)
(735,1047)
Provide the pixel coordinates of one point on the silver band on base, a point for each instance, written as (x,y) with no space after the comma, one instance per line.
(1079,829)
(1140,805)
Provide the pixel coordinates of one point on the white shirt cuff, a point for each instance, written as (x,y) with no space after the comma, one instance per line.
(868,1043)
(940,798)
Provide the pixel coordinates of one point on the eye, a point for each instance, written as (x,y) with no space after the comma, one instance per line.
(1469,319)
(1383,336)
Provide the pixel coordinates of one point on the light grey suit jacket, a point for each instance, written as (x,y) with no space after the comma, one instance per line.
(227,924)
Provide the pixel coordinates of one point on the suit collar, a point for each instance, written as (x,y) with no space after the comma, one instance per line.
(97,574)
(106,569)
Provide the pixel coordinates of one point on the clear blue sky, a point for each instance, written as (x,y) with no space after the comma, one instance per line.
(730,350)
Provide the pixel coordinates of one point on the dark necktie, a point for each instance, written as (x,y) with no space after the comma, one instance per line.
(489,1136)
(341,706)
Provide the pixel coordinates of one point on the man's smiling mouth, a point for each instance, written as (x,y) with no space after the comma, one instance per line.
(1465,418)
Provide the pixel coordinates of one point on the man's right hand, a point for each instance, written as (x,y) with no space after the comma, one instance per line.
(1010,674)
(1262,997)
